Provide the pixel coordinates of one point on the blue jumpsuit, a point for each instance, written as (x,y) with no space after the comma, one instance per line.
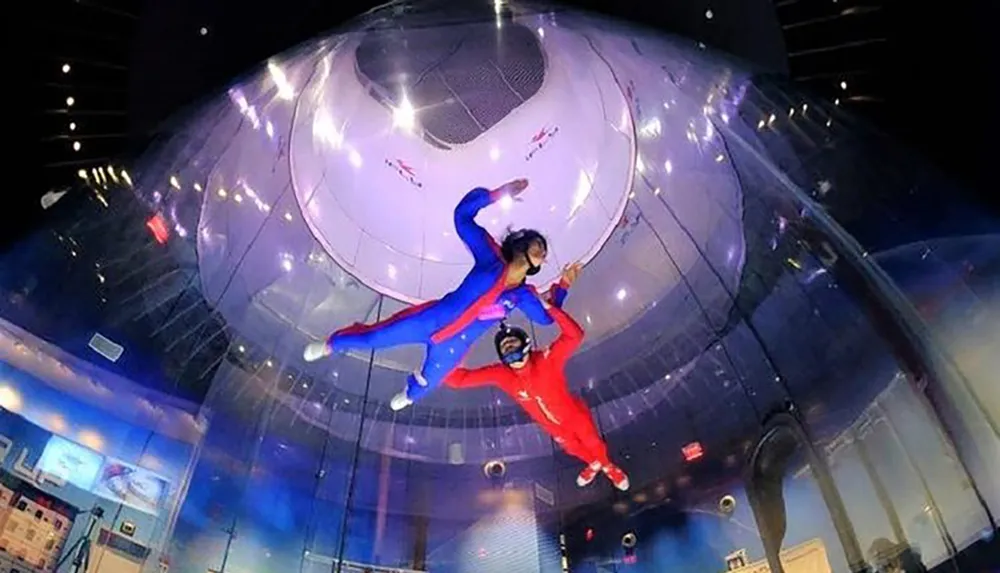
(449,326)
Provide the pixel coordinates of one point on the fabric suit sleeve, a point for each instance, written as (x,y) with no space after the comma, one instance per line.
(483,246)
(474,377)
(535,305)
(570,337)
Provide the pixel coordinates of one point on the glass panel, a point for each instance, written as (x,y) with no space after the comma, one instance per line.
(752,254)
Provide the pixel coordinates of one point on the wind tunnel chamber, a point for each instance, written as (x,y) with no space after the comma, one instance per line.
(787,323)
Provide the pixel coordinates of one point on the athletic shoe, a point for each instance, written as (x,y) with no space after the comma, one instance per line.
(400,401)
(617,476)
(588,474)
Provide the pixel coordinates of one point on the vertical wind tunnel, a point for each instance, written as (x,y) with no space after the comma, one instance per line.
(789,321)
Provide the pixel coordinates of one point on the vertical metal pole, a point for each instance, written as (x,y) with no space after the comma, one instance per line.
(880,490)
(949,543)
(383,504)
(339,559)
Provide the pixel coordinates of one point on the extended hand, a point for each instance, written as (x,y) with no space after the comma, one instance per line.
(570,273)
(515,187)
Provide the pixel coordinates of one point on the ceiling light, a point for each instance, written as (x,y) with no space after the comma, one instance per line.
(72,126)
(355,158)
(76,146)
(404,116)
(65,68)
(70,101)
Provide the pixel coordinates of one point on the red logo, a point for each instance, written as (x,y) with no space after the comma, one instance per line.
(402,165)
(540,140)
(404,170)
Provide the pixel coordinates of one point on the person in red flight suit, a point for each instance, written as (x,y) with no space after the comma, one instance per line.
(535,379)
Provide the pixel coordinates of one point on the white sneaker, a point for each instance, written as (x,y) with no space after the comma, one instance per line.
(617,477)
(588,474)
(315,350)
(400,401)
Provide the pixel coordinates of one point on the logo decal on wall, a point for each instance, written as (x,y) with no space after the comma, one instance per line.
(633,98)
(404,170)
(670,74)
(627,225)
(540,140)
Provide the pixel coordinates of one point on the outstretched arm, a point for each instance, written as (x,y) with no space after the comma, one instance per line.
(536,306)
(570,337)
(483,376)
(483,246)
(557,293)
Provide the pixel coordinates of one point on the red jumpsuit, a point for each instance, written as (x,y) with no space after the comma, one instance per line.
(540,388)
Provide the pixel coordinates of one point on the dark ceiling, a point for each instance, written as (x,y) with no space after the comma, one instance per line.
(134,64)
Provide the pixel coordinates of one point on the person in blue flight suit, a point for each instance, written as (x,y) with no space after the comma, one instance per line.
(449,326)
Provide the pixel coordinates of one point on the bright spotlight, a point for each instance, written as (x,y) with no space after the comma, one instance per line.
(404,117)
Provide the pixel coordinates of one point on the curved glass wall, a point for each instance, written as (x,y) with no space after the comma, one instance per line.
(789,320)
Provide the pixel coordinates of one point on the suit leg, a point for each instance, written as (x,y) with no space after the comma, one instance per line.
(587,434)
(440,360)
(411,325)
(567,439)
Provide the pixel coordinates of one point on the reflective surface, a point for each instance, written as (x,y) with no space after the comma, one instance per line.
(781,310)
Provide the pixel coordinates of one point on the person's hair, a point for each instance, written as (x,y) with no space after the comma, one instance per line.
(517,242)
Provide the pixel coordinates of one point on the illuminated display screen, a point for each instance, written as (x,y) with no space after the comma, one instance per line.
(71,462)
(133,486)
